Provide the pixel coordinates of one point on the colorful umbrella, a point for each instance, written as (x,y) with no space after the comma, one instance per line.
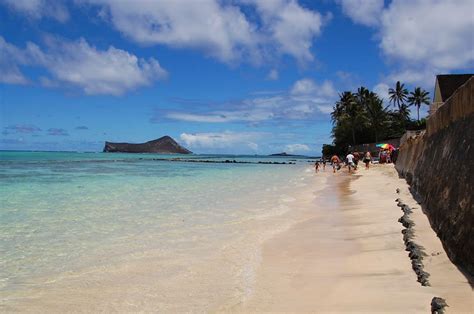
(386,146)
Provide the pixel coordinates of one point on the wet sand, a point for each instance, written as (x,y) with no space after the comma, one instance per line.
(349,256)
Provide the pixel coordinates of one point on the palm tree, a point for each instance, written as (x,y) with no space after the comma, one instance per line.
(398,95)
(404,114)
(377,114)
(417,98)
(345,99)
(347,112)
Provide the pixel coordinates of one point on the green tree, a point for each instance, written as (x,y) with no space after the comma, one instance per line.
(417,98)
(377,114)
(398,95)
(362,117)
(347,113)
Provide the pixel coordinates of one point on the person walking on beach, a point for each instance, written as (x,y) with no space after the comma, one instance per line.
(335,161)
(356,160)
(367,159)
(323,160)
(316,166)
(350,161)
(394,155)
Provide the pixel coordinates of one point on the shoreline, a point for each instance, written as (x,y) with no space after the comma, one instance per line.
(337,246)
(350,256)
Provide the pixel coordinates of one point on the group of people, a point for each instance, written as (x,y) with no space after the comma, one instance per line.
(388,156)
(351,162)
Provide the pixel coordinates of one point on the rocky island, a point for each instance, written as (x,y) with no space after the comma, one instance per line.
(163,145)
(284,154)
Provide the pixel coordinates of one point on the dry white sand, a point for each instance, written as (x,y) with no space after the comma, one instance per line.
(350,256)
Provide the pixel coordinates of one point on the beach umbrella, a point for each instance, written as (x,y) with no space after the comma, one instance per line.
(386,146)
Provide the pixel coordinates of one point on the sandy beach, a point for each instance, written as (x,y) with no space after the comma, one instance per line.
(349,256)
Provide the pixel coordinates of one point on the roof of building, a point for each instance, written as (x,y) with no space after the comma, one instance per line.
(449,83)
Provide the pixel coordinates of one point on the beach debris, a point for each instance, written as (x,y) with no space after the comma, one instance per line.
(416,252)
(398,191)
(437,305)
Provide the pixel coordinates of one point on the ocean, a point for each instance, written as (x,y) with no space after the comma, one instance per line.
(136,231)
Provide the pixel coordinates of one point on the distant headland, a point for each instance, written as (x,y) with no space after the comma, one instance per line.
(284,154)
(163,145)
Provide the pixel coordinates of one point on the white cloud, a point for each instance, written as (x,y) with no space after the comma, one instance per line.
(272,75)
(10,73)
(305,100)
(381,90)
(365,12)
(248,115)
(420,38)
(77,64)
(37,9)
(309,87)
(219,29)
(296,148)
(291,26)
(427,38)
(225,139)
(435,33)
(422,75)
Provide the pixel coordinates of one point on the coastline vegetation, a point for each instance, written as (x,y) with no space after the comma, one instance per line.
(363,117)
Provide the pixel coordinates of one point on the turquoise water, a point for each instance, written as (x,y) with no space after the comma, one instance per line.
(65,212)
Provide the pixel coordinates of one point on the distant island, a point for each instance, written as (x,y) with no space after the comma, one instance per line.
(163,145)
(284,154)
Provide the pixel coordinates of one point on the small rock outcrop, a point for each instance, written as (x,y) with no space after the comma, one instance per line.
(416,252)
(163,145)
(437,305)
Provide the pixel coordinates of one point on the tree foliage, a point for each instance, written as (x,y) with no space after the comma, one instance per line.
(362,117)
(417,98)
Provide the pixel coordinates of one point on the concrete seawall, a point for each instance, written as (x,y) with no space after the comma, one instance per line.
(439,165)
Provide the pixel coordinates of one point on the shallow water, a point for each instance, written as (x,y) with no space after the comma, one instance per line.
(94,219)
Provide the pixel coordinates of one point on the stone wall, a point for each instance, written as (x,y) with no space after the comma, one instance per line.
(439,166)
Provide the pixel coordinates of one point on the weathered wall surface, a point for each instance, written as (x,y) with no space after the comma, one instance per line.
(439,165)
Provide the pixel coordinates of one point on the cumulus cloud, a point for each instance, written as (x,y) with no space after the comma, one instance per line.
(225,139)
(37,9)
(77,64)
(365,12)
(434,33)
(415,75)
(420,38)
(220,29)
(381,90)
(305,100)
(309,87)
(296,148)
(310,95)
(291,26)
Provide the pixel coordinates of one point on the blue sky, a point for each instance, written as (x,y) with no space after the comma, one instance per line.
(250,76)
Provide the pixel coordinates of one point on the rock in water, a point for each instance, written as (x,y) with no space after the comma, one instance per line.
(163,145)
